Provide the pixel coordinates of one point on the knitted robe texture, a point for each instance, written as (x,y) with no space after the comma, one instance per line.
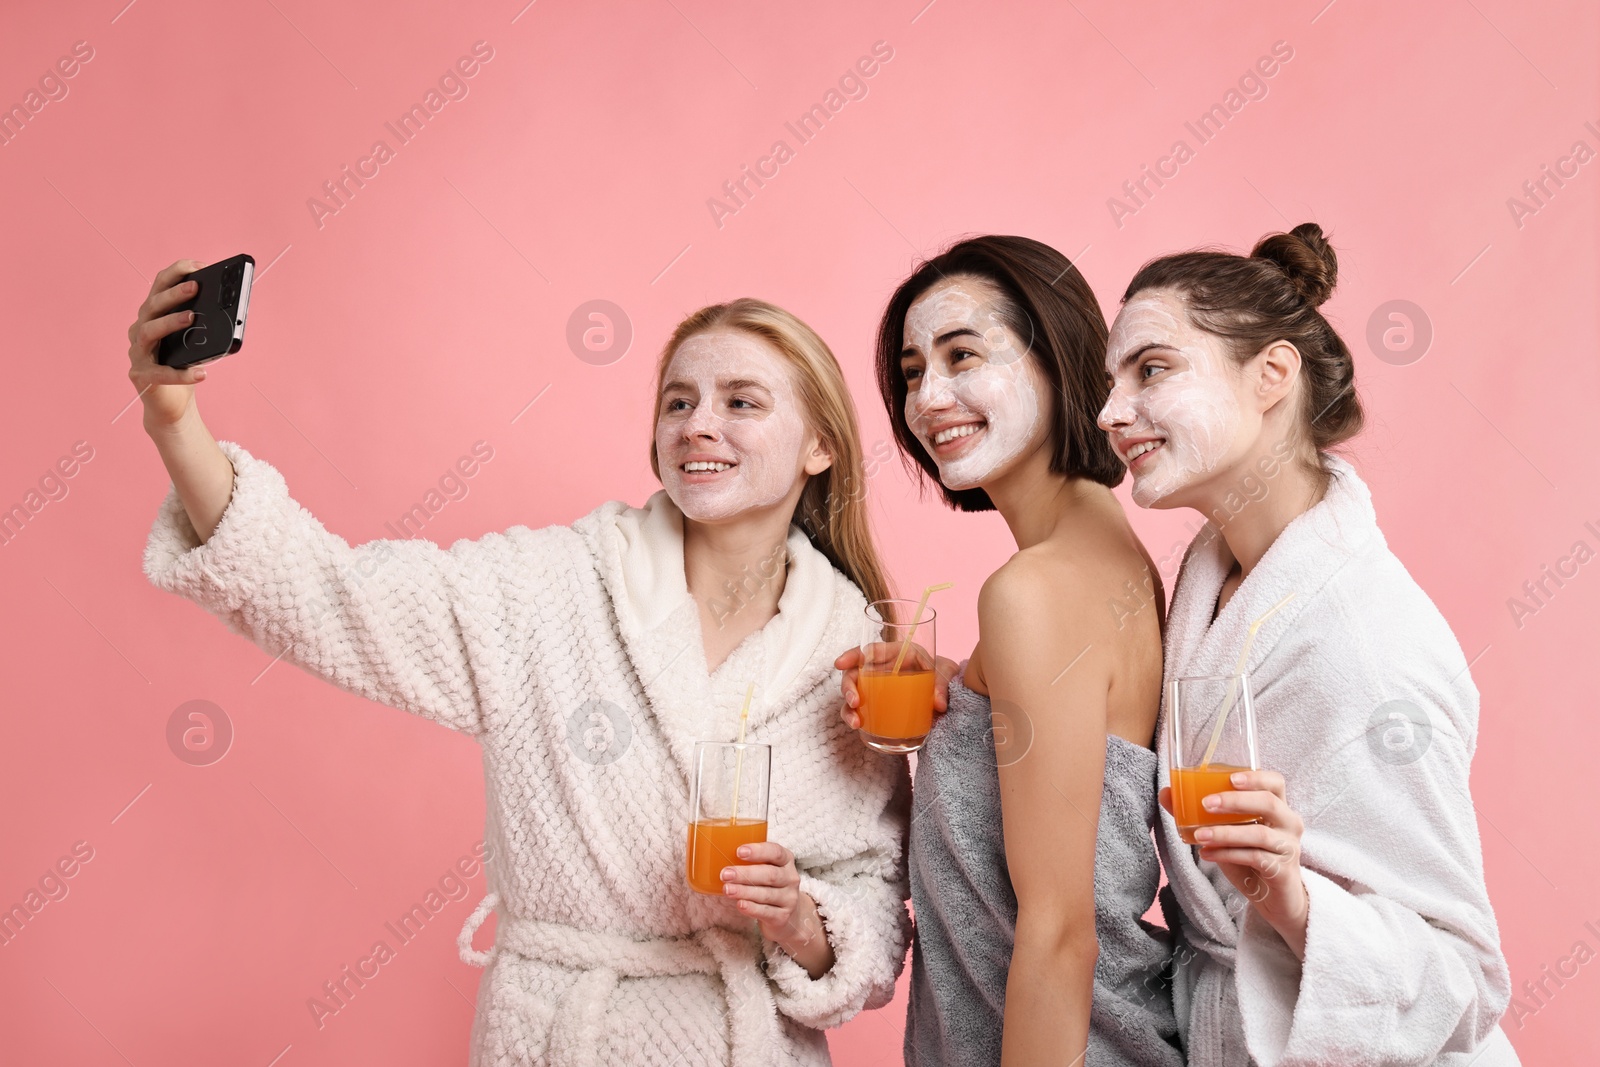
(574,656)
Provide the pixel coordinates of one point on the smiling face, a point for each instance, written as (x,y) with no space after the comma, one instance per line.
(974,398)
(731,432)
(1175,414)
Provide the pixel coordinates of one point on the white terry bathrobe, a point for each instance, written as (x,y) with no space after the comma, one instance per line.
(1402,959)
(574,656)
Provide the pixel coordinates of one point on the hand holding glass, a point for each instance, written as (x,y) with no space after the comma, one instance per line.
(727,808)
(897,675)
(1211,731)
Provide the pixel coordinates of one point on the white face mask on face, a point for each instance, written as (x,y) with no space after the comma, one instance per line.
(1179,396)
(730,433)
(973,401)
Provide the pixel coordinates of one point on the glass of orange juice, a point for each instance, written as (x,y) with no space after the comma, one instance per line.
(1211,734)
(897,704)
(727,808)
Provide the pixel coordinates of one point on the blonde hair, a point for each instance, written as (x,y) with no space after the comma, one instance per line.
(832,508)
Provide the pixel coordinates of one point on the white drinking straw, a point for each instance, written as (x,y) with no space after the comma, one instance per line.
(738,753)
(1233,682)
(915,621)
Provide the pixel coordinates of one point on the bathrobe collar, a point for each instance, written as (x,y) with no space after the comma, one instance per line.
(1313,548)
(1307,554)
(639,552)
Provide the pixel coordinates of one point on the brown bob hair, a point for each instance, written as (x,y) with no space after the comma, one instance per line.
(1044,299)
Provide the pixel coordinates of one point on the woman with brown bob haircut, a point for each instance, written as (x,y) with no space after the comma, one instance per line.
(1030,852)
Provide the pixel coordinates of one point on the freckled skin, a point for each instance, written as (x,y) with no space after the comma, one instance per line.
(1003,388)
(761,429)
(1189,398)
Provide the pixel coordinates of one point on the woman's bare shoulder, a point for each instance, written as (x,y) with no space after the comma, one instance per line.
(1069,585)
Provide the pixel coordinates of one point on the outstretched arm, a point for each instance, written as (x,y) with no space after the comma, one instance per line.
(393,621)
(200,472)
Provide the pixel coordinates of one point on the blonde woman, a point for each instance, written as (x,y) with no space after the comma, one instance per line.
(603,954)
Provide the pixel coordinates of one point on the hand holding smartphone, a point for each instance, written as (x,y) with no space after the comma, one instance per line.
(220,306)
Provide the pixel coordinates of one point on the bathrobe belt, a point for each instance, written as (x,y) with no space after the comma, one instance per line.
(605,958)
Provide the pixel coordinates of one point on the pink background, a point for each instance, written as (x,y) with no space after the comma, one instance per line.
(428,312)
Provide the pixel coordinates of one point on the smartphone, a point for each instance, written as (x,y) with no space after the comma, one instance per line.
(219,305)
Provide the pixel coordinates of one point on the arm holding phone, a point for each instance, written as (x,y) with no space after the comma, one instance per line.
(200,471)
(387,620)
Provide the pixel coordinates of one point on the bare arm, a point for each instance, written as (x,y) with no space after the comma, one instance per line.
(200,471)
(1051,754)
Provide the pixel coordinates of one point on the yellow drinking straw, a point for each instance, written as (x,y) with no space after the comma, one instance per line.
(1227,705)
(738,753)
(916,619)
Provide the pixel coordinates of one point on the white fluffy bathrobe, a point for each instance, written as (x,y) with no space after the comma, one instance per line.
(1402,960)
(574,656)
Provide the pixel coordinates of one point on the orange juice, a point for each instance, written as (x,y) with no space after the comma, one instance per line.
(714,844)
(896,707)
(1192,784)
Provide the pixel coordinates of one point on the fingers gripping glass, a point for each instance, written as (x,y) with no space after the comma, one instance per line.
(727,808)
(896,680)
(1211,731)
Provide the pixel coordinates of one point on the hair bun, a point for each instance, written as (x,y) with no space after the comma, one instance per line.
(1306,259)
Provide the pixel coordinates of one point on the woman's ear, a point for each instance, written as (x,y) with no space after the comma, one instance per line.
(820,458)
(1278,366)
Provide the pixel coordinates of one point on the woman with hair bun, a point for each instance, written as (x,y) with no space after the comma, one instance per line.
(1349,923)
